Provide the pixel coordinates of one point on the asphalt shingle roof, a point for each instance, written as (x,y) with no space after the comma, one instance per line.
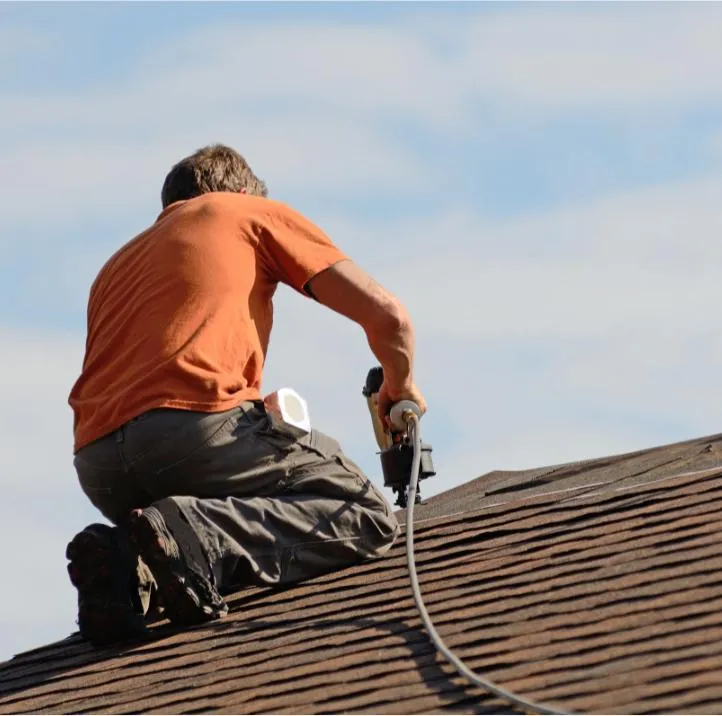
(594,586)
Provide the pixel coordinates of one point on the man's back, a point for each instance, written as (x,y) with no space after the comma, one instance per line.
(181,316)
(212,491)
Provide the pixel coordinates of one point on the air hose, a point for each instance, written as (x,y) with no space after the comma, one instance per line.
(413,426)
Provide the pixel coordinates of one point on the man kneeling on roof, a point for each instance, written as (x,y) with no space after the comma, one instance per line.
(173,443)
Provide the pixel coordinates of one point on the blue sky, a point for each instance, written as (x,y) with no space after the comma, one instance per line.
(538,182)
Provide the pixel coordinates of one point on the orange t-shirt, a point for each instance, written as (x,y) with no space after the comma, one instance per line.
(180,317)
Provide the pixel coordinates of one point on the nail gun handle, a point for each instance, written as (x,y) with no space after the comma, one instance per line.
(398,415)
(374,381)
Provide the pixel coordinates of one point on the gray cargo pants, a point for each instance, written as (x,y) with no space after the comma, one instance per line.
(268,508)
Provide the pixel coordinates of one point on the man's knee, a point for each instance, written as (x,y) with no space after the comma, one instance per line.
(390,534)
(386,527)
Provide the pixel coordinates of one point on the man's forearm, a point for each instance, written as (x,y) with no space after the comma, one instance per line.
(350,291)
(392,342)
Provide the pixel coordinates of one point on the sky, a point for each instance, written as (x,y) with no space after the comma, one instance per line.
(538,183)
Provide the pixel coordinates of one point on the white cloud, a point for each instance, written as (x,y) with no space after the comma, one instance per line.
(638,262)
(42,505)
(322,70)
(602,57)
(549,57)
(36,421)
(25,41)
(313,112)
(41,607)
(111,175)
(77,180)
(565,440)
(714,145)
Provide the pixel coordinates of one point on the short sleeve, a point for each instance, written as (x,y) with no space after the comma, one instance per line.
(294,248)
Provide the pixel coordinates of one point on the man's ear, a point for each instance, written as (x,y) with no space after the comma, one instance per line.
(243,191)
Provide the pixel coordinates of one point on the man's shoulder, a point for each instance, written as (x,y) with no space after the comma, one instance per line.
(243,203)
(254,208)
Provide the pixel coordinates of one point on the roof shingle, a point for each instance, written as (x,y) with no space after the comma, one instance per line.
(593,586)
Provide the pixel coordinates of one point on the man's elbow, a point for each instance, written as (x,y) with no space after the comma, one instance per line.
(391,319)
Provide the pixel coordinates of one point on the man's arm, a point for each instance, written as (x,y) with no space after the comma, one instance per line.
(350,291)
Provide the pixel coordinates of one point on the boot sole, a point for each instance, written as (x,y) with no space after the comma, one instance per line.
(105,614)
(180,589)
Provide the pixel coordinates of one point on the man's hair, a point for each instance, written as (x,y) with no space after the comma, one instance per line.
(212,168)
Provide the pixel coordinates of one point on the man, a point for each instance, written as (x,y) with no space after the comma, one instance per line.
(207,491)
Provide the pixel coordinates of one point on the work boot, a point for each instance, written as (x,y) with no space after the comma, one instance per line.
(170,547)
(105,571)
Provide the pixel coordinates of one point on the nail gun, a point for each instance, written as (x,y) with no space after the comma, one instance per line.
(397,452)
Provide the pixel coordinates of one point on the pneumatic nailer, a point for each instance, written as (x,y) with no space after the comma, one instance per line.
(396,450)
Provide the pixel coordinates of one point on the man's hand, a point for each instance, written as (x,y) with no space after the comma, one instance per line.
(387,398)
